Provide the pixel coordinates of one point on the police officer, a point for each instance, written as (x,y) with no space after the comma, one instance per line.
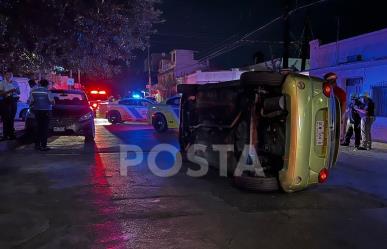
(9,92)
(41,102)
(367,112)
(353,125)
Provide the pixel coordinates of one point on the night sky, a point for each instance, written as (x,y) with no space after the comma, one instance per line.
(203,25)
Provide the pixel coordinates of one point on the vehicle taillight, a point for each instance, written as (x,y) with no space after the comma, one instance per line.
(94,92)
(323,176)
(102,92)
(327,88)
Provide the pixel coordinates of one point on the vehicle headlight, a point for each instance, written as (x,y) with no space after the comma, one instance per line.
(87,116)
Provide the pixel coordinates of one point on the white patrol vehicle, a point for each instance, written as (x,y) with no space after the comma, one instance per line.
(128,109)
(165,115)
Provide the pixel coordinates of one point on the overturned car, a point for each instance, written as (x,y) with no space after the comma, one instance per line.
(268,130)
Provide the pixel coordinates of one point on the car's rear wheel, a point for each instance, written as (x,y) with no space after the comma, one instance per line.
(114,117)
(160,123)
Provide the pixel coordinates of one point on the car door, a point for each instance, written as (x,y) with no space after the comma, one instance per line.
(142,109)
(174,104)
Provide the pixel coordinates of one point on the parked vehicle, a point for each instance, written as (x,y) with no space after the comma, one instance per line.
(128,109)
(165,115)
(22,109)
(71,115)
(292,121)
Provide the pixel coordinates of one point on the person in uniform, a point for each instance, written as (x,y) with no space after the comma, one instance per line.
(41,102)
(367,112)
(9,93)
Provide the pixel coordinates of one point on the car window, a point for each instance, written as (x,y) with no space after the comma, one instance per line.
(67,98)
(128,102)
(144,103)
(173,101)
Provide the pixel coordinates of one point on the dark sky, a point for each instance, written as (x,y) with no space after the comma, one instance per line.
(203,25)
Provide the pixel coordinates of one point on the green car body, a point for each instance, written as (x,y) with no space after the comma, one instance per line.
(309,120)
(305,156)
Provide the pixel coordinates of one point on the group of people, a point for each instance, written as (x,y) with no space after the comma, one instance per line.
(40,101)
(358,117)
(361,115)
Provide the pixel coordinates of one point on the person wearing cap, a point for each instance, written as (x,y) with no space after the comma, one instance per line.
(367,112)
(342,96)
(9,93)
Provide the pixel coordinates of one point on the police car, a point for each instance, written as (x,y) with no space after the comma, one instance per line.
(166,115)
(128,109)
(22,109)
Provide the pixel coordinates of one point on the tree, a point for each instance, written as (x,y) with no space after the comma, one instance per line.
(96,36)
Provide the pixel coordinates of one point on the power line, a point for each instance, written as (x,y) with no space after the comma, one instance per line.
(236,44)
(240,41)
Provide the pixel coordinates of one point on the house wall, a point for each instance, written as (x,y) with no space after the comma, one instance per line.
(370,66)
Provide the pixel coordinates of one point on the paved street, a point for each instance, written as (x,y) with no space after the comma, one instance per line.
(74,197)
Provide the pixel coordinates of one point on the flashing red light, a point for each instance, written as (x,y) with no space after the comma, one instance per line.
(102,92)
(323,176)
(327,88)
(94,105)
(94,92)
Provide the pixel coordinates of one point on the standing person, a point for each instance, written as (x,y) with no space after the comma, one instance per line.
(41,102)
(10,91)
(367,112)
(32,83)
(342,96)
(353,124)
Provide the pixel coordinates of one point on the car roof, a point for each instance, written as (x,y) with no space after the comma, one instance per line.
(67,91)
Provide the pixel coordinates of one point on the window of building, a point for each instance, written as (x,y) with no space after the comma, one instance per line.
(353,87)
(379,96)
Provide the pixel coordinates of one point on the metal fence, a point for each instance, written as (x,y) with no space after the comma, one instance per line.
(379,96)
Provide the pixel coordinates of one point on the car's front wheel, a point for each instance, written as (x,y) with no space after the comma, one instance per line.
(159,122)
(114,117)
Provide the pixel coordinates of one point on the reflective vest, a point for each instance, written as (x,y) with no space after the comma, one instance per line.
(41,99)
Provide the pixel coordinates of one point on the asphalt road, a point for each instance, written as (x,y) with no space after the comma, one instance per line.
(74,197)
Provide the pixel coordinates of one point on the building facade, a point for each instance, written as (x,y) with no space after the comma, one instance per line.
(178,64)
(361,65)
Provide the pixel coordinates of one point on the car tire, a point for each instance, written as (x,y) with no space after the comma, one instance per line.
(159,123)
(257,184)
(114,117)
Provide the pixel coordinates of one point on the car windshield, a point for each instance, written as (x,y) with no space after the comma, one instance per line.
(69,98)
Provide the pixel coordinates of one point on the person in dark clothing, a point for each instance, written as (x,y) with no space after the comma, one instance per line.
(367,113)
(41,102)
(9,94)
(32,83)
(353,125)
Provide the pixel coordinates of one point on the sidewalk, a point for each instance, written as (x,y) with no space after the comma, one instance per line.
(9,145)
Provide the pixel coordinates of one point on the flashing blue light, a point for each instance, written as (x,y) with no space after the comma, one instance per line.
(136,96)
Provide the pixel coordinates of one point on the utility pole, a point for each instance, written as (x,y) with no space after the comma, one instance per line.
(286,34)
(149,69)
(305,43)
